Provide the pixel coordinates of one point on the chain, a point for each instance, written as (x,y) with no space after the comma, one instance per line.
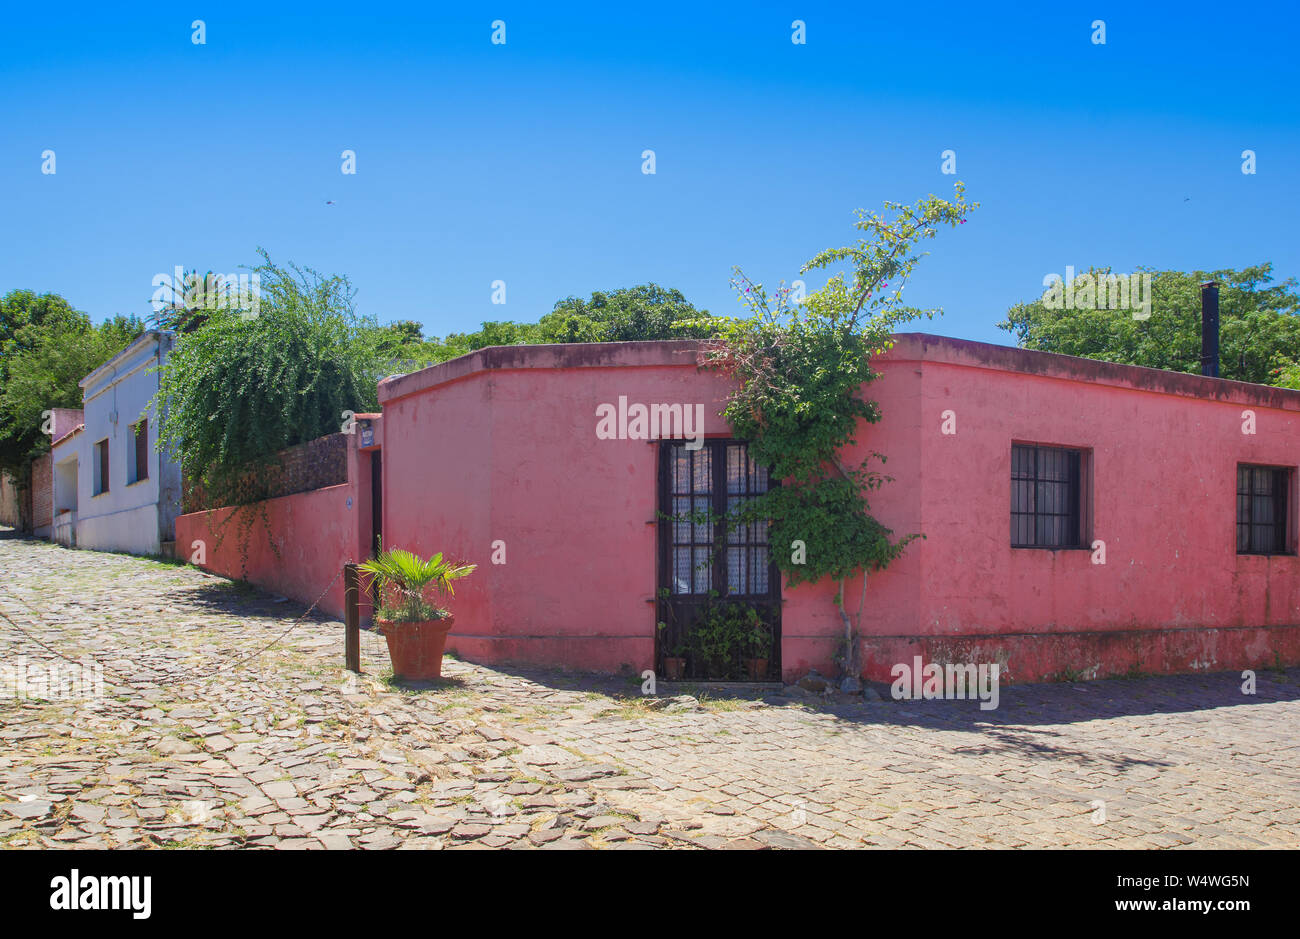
(179,680)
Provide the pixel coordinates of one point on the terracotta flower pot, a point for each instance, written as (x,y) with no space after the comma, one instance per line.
(757,669)
(674,669)
(416,648)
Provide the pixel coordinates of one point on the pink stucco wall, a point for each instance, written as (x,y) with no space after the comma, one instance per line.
(1172,595)
(501,445)
(314,534)
(481,449)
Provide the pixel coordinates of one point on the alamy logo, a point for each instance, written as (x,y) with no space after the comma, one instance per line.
(192,291)
(1097,291)
(55,681)
(75,892)
(652,422)
(951,682)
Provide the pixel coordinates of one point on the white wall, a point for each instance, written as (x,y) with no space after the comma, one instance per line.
(65,476)
(65,490)
(128,517)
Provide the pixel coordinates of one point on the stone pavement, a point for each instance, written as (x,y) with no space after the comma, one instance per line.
(290,751)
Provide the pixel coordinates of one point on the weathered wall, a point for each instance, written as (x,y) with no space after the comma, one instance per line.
(10,502)
(313,464)
(64,453)
(64,421)
(1165,449)
(812,630)
(501,445)
(42,496)
(314,534)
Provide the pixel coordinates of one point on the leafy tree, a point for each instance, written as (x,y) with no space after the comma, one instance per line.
(402,346)
(1259,332)
(19,308)
(799,370)
(406,331)
(647,311)
(46,348)
(237,390)
(1287,374)
(644,312)
(502,333)
(441,350)
(399,339)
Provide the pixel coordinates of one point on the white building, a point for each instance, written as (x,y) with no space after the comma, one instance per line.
(63,478)
(127,493)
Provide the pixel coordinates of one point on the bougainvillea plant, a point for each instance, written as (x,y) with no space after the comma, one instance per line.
(800,366)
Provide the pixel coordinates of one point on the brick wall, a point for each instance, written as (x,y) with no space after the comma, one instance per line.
(312,465)
(43,492)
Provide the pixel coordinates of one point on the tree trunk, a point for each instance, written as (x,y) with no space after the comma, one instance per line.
(849,680)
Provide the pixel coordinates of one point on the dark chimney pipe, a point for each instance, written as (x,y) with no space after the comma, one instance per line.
(1210,329)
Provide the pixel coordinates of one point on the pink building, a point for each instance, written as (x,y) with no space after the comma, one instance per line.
(1080,518)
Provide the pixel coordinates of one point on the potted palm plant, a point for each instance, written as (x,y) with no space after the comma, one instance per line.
(414,627)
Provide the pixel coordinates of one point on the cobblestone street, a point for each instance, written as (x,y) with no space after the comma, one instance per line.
(289,751)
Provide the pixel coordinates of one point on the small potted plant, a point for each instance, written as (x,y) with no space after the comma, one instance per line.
(719,637)
(758,645)
(674,657)
(415,628)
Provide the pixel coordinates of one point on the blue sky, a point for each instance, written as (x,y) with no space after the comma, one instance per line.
(522,162)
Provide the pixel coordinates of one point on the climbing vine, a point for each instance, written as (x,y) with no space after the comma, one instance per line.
(800,365)
(243,385)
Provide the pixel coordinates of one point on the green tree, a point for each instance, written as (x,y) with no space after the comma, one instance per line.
(644,312)
(402,346)
(238,389)
(502,333)
(405,332)
(46,348)
(1259,332)
(19,308)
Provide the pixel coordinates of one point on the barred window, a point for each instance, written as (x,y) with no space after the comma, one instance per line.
(692,531)
(1262,509)
(707,486)
(747,551)
(1046,497)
